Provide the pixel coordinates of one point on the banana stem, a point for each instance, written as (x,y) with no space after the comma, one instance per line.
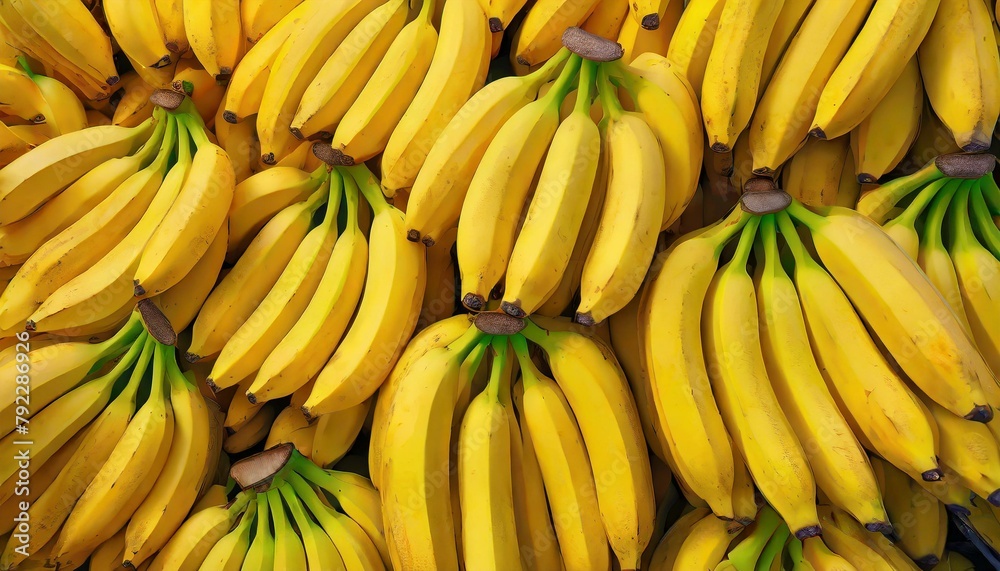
(499,375)
(920,202)
(194,124)
(806,217)
(937,213)
(894,191)
(609,99)
(992,193)
(426,10)
(549,68)
(584,90)
(369,187)
(126,335)
(742,255)
(351,196)
(565,82)
(240,503)
(307,494)
(961,225)
(183,143)
(769,236)
(335,190)
(529,372)
(983,221)
(724,231)
(536,334)
(798,249)
(151,146)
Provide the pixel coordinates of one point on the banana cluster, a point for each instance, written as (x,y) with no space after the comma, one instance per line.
(124,446)
(97,218)
(304,518)
(374,76)
(514,468)
(795,373)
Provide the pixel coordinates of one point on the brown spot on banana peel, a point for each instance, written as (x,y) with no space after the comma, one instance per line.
(981,413)
(427,241)
(927,562)
(585,319)
(112,80)
(331,156)
(229,116)
(268,159)
(192,358)
(882,527)
(650,21)
(932,475)
(994,498)
(591,46)
(497,323)
(413,235)
(166,98)
(966,165)
(818,133)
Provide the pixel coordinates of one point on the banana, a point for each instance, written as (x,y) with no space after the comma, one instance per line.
(440,188)
(240,410)
(206,94)
(417,513)
(636,40)
(177,486)
(752,414)
(953,371)
(970,451)
(170,14)
(442,287)
(562,456)
(693,39)
(302,56)
(134,105)
(379,332)
(869,393)
(247,84)
(22,96)
(891,554)
(13,144)
(345,74)
(336,432)
(501,184)
(778,128)
(967,26)
(838,461)
(124,481)
(902,228)
(293,427)
(99,290)
(665,99)
(229,551)
(214,34)
(20,239)
(733,71)
(109,554)
(289,553)
(625,240)
(557,208)
(189,547)
(539,36)
(301,354)
(753,543)
(136,27)
(194,218)
(606,20)
(933,257)
(501,12)
(65,112)
(883,138)
(793,12)
(262,196)
(666,551)
(705,545)
(259,16)
(814,173)
(456,71)
(876,59)
(320,551)
(609,422)
(817,554)
(253,432)
(181,303)
(35,177)
(918,518)
(240,142)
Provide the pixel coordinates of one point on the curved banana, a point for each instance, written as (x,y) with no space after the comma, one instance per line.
(883,138)
(666,551)
(457,69)
(386,316)
(253,432)
(778,128)
(539,36)
(607,21)
(134,105)
(206,94)
(190,226)
(705,545)
(320,551)
(293,427)
(66,113)
(693,39)
(289,553)
(181,303)
(876,59)
(501,12)
(22,97)
(189,547)
(170,14)
(918,518)
(231,549)
(814,173)
(136,27)
(259,16)
(336,432)
(214,34)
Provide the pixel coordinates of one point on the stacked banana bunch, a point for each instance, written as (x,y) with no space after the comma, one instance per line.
(375,76)
(97,218)
(484,461)
(303,517)
(946,224)
(546,200)
(124,443)
(794,373)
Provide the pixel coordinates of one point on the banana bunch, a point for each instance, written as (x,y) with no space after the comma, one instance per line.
(375,76)
(325,440)
(503,445)
(100,217)
(728,351)
(131,442)
(316,302)
(823,173)
(304,517)
(550,201)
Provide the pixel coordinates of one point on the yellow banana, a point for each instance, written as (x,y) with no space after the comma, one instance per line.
(230,550)
(253,432)
(814,173)
(66,113)
(214,33)
(693,39)
(933,257)
(918,518)
(291,426)
(170,14)
(191,79)
(259,16)
(336,432)
(136,27)
(22,97)
(539,36)
(666,551)
(705,545)
(606,20)
(134,105)
(883,138)
(501,12)
(181,303)
(790,19)
(189,547)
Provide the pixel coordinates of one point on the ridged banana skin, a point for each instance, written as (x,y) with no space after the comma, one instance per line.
(487,228)
(417,511)
(459,63)
(674,358)
(360,501)
(838,461)
(215,36)
(247,84)
(539,36)
(435,335)
(607,21)
(229,551)
(555,215)
(289,553)
(124,481)
(191,224)
(693,39)
(136,27)
(568,476)
(817,554)
(918,518)
(793,13)
(746,400)
(814,173)
(33,178)
(384,322)
(878,56)
(705,545)
(872,270)
(342,78)
(780,123)
(883,411)
(964,91)
(733,71)
(596,389)
(883,138)
(435,200)
(625,242)
(372,116)
(489,533)
(189,547)
(67,112)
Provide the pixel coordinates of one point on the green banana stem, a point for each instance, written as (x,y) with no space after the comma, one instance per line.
(565,82)
(125,336)
(499,376)
(748,552)
(886,196)
(241,503)
(983,222)
(584,90)
(961,225)
(773,548)
(992,193)
(795,245)
(725,230)
(335,191)
(369,187)
(426,10)
(920,202)
(536,334)
(609,96)
(934,225)
(23,62)
(307,494)
(803,215)
(475,358)
(529,372)
(351,192)
(549,68)
(743,249)
(769,237)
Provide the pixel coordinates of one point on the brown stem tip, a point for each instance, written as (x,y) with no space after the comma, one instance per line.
(982,413)
(326,153)
(257,471)
(650,21)
(166,98)
(762,196)
(966,165)
(156,322)
(496,323)
(591,46)
(807,532)
(473,302)
(496,25)
(585,319)
(513,309)
(932,475)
